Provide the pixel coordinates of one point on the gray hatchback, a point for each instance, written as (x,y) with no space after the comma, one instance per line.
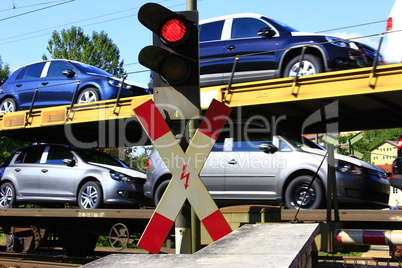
(55,174)
(254,166)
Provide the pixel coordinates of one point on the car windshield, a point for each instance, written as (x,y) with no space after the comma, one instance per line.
(98,157)
(91,69)
(283,25)
(298,140)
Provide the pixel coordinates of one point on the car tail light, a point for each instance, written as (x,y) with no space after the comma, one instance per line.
(399,145)
(148,166)
(389,24)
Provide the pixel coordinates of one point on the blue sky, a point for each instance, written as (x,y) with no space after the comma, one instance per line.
(24,37)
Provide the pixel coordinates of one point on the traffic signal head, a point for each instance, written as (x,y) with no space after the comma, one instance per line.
(172,28)
(173,58)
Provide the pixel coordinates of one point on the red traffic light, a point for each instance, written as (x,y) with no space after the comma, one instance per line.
(174,60)
(174,30)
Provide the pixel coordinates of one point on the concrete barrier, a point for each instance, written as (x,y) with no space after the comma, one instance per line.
(252,245)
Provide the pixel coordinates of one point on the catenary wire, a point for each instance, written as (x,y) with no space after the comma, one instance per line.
(36,10)
(40,4)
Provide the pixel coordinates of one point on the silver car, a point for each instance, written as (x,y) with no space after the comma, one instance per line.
(57,174)
(255,167)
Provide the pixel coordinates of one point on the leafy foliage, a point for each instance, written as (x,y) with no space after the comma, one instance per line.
(97,50)
(137,162)
(7,145)
(4,72)
(371,138)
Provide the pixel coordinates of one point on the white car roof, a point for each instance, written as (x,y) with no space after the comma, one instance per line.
(240,15)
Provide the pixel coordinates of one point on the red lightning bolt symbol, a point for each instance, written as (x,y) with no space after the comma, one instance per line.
(186,176)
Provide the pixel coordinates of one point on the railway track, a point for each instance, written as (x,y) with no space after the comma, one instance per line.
(55,258)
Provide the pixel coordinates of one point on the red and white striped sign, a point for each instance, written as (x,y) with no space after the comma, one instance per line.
(369,237)
(185,182)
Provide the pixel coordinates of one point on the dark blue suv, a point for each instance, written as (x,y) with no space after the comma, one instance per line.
(254,47)
(60,82)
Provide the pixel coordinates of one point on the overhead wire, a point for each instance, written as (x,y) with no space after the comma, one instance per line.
(81,21)
(36,10)
(131,15)
(40,4)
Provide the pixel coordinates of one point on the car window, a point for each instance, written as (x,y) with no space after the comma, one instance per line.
(98,157)
(246,27)
(22,73)
(57,67)
(56,155)
(30,155)
(32,71)
(211,31)
(284,147)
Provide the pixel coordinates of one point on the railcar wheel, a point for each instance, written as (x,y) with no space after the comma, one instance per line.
(119,236)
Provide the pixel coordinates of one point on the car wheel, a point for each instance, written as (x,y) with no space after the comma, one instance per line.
(7,195)
(8,105)
(90,195)
(310,65)
(88,95)
(160,190)
(296,190)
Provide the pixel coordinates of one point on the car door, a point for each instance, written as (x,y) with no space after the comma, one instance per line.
(55,88)
(57,180)
(27,81)
(212,174)
(212,62)
(252,174)
(26,171)
(259,52)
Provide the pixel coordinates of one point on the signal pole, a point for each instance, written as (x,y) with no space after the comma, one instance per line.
(187,227)
(191,4)
(174,58)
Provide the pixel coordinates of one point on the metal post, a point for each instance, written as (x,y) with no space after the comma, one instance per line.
(191,5)
(183,230)
(332,195)
(183,221)
(187,229)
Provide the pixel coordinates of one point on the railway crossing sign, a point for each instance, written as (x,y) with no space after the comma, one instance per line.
(185,169)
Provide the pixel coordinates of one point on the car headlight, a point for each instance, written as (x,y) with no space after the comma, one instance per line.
(349,168)
(120,176)
(338,41)
(117,83)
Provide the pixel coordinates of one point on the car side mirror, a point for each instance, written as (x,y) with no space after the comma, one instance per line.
(68,73)
(69,162)
(266,32)
(267,147)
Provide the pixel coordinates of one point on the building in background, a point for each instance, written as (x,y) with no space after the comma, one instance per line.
(383,155)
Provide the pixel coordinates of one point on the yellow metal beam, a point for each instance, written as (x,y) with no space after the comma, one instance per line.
(325,85)
(346,85)
(80,113)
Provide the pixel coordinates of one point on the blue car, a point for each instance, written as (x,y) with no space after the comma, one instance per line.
(255,47)
(61,82)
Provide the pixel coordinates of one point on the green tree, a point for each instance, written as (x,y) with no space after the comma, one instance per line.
(4,72)
(371,138)
(7,144)
(97,50)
